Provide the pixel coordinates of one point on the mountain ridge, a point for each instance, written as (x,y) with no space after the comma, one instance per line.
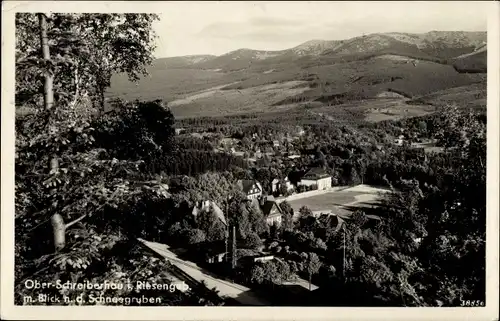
(319,72)
(432,45)
(317,42)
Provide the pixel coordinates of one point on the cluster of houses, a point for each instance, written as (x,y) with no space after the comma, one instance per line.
(254,192)
(270,207)
(266,146)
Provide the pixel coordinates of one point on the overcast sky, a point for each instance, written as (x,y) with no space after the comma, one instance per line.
(219,27)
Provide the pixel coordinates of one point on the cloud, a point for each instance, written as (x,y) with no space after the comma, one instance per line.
(265,33)
(262,26)
(219,27)
(272,22)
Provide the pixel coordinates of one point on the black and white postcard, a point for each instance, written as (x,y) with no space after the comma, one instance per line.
(250,160)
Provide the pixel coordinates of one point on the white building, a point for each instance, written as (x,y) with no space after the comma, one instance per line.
(251,188)
(317,176)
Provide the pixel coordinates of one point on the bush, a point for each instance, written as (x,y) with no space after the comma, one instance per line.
(195,236)
(253,241)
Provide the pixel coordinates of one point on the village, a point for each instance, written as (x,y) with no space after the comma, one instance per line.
(315,192)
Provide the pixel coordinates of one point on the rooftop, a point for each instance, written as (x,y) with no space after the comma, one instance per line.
(268,206)
(246,184)
(316,173)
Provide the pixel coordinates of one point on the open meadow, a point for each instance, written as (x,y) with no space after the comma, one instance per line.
(337,201)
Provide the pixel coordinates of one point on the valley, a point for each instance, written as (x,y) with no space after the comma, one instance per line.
(359,74)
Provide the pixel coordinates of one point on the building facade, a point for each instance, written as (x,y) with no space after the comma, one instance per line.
(318,177)
(252,188)
(272,212)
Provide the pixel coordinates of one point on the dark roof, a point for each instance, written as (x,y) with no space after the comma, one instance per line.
(316,173)
(330,220)
(268,206)
(246,184)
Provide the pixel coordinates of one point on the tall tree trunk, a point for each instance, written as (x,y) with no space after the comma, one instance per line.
(48,96)
(58,226)
(59,230)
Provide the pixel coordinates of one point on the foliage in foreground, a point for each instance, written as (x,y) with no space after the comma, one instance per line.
(69,169)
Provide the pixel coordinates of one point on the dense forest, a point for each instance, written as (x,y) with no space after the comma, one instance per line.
(89,182)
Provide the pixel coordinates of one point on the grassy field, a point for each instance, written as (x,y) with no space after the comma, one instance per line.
(334,201)
(170,84)
(216,102)
(375,110)
(429,147)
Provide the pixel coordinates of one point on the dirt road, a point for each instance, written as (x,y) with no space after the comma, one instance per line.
(227,289)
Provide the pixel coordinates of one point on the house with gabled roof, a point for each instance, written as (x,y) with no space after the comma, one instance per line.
(317,176)
(205,206)
(332,221)
(252,188)
(272,212)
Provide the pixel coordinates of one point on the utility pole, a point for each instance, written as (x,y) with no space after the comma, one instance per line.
(343,261)
(234,248)
(227,228)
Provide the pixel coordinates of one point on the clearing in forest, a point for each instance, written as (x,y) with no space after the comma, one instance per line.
(340,202)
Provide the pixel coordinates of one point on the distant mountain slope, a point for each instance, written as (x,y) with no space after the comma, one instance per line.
(437,46)
(181,62)
(431,45)
(368,43)
(447,44)
(316,47)
(458,39)
(330,73)
(238,59)
(481,48)
(451,39)
(475,62)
